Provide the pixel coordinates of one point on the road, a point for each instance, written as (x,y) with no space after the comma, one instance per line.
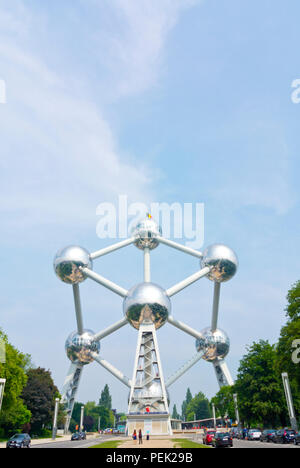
(77,443)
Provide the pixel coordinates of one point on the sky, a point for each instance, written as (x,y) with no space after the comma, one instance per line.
(174,101)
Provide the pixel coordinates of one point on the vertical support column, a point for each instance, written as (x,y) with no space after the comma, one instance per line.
(54,428)
(81,419)
(147,271)
(215,311)
(236,408)
(222,373)
(289,401)
(69,392)
(78,311)
(2,386)
(214,415)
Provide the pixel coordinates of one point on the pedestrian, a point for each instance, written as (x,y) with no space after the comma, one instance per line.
(134,437)
(140,437)
(148,435)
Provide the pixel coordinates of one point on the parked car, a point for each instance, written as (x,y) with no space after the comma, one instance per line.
(284,436)
(297,438)
(222,439)
(208,437)
(254,434)
(267,435)
(82,435)
(19,441)
(76,436)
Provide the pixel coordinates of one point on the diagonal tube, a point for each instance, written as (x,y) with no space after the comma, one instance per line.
(111,329)
(104,282)
(188,281)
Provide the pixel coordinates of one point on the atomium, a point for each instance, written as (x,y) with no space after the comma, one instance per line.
(222,260)
(147,303)
(79,347)
(146,307)
(146,233)
(214,344)
(68,261)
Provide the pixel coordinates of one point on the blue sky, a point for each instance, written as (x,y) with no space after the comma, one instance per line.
(169,101)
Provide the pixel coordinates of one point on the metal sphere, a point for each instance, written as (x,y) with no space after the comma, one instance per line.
(215,345)
(147,303)
(68,261)
(223,261)
(79,347)
(146,232)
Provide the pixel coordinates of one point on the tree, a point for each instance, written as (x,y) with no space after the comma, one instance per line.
(185,403)
(198,408)
(224,403)
(39,396)
(105,399)
(175,414)
(14,413)
(259,387)
(289,333)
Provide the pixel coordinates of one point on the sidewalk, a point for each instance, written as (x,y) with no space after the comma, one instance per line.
(152,443)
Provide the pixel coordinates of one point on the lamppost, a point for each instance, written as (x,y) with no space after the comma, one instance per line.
(2,386)
(289,401)
(54,429)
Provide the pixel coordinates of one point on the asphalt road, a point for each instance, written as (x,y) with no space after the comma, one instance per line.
(77,443)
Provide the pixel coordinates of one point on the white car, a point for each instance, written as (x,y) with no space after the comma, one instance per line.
(254,434)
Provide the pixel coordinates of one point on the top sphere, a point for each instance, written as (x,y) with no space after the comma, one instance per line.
(68,261)
(145,233)
(223,261)
(147,303)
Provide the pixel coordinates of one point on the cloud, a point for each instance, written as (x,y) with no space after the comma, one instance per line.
(133,35)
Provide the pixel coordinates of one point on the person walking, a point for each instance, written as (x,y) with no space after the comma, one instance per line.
(134,437)
(140,437)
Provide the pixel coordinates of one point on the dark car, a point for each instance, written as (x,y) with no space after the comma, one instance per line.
(19,441)
(267,435)
(222,439)
(297,438)
(284,436)
(82,435)
(76,436)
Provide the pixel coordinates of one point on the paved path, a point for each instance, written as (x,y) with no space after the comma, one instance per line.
(152,443)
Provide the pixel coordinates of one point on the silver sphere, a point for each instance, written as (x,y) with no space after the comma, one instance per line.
(215,345)
(147,303)
(79,347)
(223,261)
(68,261)
(146,232)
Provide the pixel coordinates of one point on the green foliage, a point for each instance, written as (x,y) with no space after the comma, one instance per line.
(39,396)
(92,412)
(198,408)
(188,398)
(259,387)
(175,414)
(105,399)
(224,403)
(14,413)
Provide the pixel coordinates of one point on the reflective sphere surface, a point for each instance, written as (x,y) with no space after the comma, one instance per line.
(147,303)
(67,262)
(145,233)
(78,347)
(214,344)
(223,261)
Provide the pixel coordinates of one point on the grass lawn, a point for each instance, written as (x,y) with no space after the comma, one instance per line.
(186,443)
(109,444)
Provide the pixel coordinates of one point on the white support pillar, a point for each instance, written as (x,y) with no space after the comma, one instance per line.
(78,310)
(188,281)
(112,248)
(111,329)
(215,311)
(81,418)
(110,368)
(289,401)
(222,373)
(54,428)
(183,369)
(147,270)
(104,282)
(185,328)
(2,387)
(69,391)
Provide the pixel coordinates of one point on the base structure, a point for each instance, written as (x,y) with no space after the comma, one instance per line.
(148,406)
